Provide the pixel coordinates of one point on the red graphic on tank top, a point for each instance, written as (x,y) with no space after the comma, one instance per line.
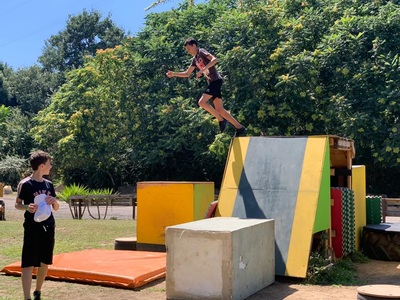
(200,63)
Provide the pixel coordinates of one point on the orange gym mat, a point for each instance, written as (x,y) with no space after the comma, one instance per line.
(118,268)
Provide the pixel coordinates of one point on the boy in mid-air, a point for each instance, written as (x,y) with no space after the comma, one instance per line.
(205,62)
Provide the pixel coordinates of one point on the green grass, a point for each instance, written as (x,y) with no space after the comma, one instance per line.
(71,235)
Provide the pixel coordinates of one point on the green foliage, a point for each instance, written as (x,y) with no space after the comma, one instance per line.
(15,139)
(290,68)
(72,190)
(6,74)
(80,190)
(342,272)
(11,170)
(5,113)
(32,88)
(220,147)
(85,33)
(101,192)
(143,135)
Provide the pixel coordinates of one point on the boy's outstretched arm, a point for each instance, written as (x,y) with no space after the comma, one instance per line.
(184,74)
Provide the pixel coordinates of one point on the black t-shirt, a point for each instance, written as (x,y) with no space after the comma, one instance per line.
(28,189)
(200,60)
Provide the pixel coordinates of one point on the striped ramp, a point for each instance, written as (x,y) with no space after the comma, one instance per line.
(285,179)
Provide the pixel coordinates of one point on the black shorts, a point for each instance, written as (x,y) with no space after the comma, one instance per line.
(38,245)
(214,89)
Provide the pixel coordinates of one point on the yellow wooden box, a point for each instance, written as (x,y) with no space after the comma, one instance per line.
(166,203)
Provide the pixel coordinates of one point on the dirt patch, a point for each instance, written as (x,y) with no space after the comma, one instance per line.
(372,272)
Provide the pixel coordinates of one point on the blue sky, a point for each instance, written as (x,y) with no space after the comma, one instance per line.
(26,24)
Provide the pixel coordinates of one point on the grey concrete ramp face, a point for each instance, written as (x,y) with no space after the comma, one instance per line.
(269,186)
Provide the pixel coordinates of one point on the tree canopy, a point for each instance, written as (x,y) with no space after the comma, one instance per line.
(290,68)
(85,33)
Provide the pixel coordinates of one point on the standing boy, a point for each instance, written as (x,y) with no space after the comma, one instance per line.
(205,62)
(37,250)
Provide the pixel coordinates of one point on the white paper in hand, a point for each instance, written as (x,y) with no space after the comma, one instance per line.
(44,211)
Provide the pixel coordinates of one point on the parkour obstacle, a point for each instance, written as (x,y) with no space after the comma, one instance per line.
(285,179)
(289,180)
(303,184)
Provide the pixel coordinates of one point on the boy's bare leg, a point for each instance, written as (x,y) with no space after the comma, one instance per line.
(219,107)
(203,103)
(26,277)
(41,275)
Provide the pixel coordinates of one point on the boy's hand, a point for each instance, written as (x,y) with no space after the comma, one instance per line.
(199,73)
(50,200)
(170,74)
(32,208)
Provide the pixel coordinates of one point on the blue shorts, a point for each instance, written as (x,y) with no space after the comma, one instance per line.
(214,89)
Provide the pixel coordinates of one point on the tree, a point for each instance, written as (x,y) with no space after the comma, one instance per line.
(158,2)
(6,75)
(5,113)
(143,135)
(290,68)
(15,137)
(84,35)
(32,88)
(12,169)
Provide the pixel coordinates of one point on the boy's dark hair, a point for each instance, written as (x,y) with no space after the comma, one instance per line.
(190,41)
(37,158)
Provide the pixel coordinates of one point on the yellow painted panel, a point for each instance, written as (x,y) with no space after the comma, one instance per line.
(162,204)
(360,194)
(232,174)
(306,207)
(226,202)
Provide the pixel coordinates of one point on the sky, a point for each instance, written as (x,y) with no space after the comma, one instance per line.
(26,24)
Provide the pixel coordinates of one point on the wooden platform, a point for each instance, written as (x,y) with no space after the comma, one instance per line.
(379,291)
(342,152)
(390,208)
(382,241)
(125,243)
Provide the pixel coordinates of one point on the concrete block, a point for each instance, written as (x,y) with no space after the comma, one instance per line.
(220,258)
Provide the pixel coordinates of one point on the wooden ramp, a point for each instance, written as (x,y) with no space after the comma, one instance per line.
(286,179)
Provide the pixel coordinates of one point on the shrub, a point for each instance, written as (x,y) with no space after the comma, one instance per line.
(11,170)
(78,190)
(72,190)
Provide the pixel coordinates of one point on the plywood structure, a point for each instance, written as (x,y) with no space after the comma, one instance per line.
(166,203)
(359,187)
(285,179)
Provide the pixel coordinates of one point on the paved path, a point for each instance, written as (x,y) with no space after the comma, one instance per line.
(115,212)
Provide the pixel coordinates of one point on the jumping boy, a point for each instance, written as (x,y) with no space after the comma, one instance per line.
(37,249)
(205,62)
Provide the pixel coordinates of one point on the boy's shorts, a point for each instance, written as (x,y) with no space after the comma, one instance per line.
(214,89)
(38,245)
